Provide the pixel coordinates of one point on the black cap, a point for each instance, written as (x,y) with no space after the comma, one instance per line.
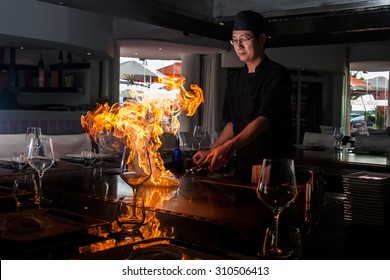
(250,20)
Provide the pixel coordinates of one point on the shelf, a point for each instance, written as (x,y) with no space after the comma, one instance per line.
(17,67)
(52,89)
(70,66)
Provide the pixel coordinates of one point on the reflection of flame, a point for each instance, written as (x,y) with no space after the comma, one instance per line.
(142,120)
(154,197)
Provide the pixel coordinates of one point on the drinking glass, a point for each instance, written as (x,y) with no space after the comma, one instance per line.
(101,139)
(18,161)
(199,133)
(135,170)
(338,134)
(277,189)
(40,157)
(288,240)
(32,132)
(89,156)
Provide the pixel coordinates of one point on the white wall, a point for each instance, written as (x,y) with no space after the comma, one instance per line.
(324,58)
(190,69)
(56,24)
(369,52)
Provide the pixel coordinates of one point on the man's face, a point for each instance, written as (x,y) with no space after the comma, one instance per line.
(247,47)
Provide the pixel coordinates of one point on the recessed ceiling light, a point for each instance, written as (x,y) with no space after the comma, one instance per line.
(89,53)
(136,54)
(160,49)
(22,48)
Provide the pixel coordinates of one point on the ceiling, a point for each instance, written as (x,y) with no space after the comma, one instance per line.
(178,27)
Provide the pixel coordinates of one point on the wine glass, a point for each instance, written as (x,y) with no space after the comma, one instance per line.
(32,132)
(289,241)
(135,170)
(40,157)
(277,189)
(338,134)
(199,133)
(101,139)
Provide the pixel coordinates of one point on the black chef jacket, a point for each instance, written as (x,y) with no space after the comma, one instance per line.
(266,92)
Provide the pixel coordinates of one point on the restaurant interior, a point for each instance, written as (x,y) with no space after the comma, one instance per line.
(62,62)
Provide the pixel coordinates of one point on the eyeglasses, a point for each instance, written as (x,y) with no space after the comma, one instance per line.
(242,40)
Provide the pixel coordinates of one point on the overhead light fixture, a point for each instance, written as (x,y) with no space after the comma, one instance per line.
(89,53)
(160,49)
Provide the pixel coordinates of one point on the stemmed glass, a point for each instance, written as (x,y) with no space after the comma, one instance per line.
(41,158)
(199,133)
(338,134)
(101,139)
(277,189)
(135,170)
(32,132)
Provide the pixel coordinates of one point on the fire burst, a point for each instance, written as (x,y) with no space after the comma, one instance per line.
(141,120)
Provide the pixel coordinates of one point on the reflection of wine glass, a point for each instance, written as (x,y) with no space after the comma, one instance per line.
(338,134)
(41,158)
(24,191)
(277,189)
(130,216)
(135,170)
(101,139)
(32,132)
(289,241)
(199,133)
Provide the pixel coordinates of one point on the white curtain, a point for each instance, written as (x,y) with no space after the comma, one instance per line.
(211,113)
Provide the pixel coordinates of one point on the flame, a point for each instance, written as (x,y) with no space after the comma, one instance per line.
(141,120)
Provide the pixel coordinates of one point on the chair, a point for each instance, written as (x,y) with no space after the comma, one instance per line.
(372,143)
(11,143)
(168,141)
(326,129)
(325,140)
(70,144)
(62,144)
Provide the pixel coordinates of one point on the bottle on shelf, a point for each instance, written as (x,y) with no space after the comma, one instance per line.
(60,58)
(41,64)
(69,58)
(41,70)
(177,158)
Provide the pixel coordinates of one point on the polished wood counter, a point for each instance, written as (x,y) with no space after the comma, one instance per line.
(343,161)
(207,218)
(336,164)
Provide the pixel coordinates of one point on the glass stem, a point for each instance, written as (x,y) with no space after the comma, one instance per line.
(39,196)
(134,202)
(101,158)
(276,222)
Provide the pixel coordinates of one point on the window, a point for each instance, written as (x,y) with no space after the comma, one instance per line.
(368,100)
(139,78)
